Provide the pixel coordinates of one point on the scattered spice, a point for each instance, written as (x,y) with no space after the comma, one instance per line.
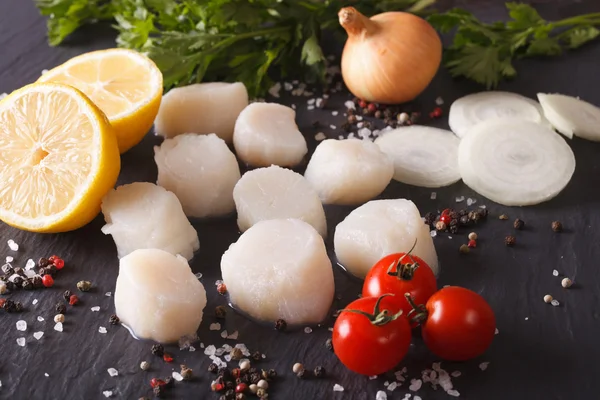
(236,354)
(280,325)
(260,392)
(503,217)
(472,236)
(548,298)
(253,388)
(245,365)
(297,368)
(144,365)
(241,388)
(263,384)
(59,263)
(436,113)
(43,262)
(240,396)
(519,224)
(301,374)
(221,288)
(84,286)
(220,312)
(158,391)
(59,318)
(158,350)
(257,356)
(114,319)
(37,282)
(510,240)
(73,300)
(319,372)
(167,357)
(60,308)
(169,382)
(329,344)
(440,226)
(464,249)
(566,283)
(211,368)
(557,226)
(47,281)
(472,243)
(67,294)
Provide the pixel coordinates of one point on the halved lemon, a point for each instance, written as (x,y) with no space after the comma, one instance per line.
(58,158)
(125,84)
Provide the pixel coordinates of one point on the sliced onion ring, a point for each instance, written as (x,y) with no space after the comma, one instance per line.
(423,156)
(472,109)
(571,116)
(515,162)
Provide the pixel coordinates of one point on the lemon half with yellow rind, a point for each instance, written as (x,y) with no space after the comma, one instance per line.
(58,158)
(123,83)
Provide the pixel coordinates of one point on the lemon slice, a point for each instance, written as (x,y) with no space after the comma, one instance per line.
(125,84)
(58,158)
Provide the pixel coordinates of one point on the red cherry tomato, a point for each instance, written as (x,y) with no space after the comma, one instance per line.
(460,324)
(397,274)
(372,338)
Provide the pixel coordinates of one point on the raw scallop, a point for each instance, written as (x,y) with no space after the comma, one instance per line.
(157,296)
(201,171)
(202,108)
(266,134)
(279,269)
(379,228)
(142,215)
(348,171)
(274,192)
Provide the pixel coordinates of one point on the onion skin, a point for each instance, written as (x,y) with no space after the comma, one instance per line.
(389,58)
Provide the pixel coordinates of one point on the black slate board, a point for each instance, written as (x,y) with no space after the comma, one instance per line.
(541,351)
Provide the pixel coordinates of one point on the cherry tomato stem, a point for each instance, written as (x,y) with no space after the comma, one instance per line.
(378,318)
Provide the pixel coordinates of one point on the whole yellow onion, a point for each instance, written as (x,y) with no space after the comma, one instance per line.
(389,58)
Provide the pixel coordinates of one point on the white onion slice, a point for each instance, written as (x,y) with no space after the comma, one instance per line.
(472,109)
(571,116)
(515,162)
(423,156)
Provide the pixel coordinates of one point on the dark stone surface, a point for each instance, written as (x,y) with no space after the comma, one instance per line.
(541,352)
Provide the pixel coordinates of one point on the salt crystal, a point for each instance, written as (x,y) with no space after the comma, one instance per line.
(0,384)
(433,233)
(310,108)
(350,105)
(483,366)
(220,351)
(372,377)
(360,125)
(21,326)
(471,201)
(58,327)
(334,113)
(201,345)
(21,341)
(381,395)
(215,327)
(482,206)
(449,237)
(107,393)
(102,329)
(399,376)
(108,294)
(95,309)
(456,374)
(274,90)
(555,303)
(198,275)
(9,259)
(433,196)
(228,357)
(233,336)
(29,273)
(218,282)
(192,348)
(112,372)
(12,245)
(407,396)
(38,335)
(392,386)
(555,273)
(320,136)
(308,94)
(386,383)
(496,332)
(227,347)
(453,392)
(460,199)
(287,86)
(332,126)
(41,319)
(210,350)
(359,118)
(177,376)
(30,264)
(3,95)
(439,101)
(526,318)
(338,388)
(415,385)
(243,348)
(224,334)
(34,302)
(417,398)
(308,330)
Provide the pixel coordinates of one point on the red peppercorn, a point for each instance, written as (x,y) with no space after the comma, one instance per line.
(446,211)
(445,218)
(52,258)
(154,382)
(167,357)
(2,301)
(219,387)
(73,299)
(235,372)
(59,263)
(221,288)
(372,107)
(47,281)
(241,388)
(436,113)
(472,243)
(362,104)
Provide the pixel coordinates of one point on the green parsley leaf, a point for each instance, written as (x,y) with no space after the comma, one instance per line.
(544,47)
(579,36)
(484,65)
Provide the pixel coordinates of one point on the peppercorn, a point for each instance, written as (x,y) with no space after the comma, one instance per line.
(352,119)
(566,283)
(158,391)
(440,226)
(230,393)
(319,372)
(59,263)
(548,298)
(329,344)
(403,118)
(245,378)
(67,294)
(557,226)
(8,269)
(50,270)
(483,213)
(245,366)
(59,318)
(185,372)
(272,374)
(474,216)
(18,281)
(9,306)
(60,308)
(114,320)
(225,373)
(19,271)
(264,374)
(10,286)
(235,372)
(301,374)
(158,350)
(346,127)
(453,229)
(27,284)
(73,300)
(254,378)
(213,368)
(144,365)
(429,218)
(43,262)
(472,236)
(240,396)
(84,286)
(510,240)
(18,306)
(241,388)
(253,370)
(280,325)
(257,356)
(167,357)
(472,243)
(2,301)
(253,388)
(519,224)
(220,312)
(37,282)
(221,288)
(372,107)
(503,217)
(260,392)
(378,114)
(464,249)
(436,113)
(169,382)
(464,220)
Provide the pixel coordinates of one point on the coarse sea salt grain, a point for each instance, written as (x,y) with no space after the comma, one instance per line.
(460,199)
(334,113)
(177,376)
(224,334)
(555,273)
(350,105)
(47,375)
(210,350)
(555,303)
(287,86)
(41,319)
(433,233)
(483,366)
(308,330)
(320,136)
(107,393)
(21,325)
(95,309)
(471,201)
(372,377)
(417,398)
(433,196)
(112,372)
(12,245)
(38,335)
(233,336)
(215,327)
(108,294)
(274,90)
(332,126)
(453,392)
(310,101)
(415,385)
(456,374)
(30,264)
(3,95)
(310,108)
(392,386)
(102,329)
(496,332)
(21,341)
(338,388)
(58,327)
(9,259)
(34,302)
(381,395)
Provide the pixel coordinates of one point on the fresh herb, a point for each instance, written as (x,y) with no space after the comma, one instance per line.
(485,52)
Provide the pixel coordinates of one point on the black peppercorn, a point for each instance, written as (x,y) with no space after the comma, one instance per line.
(462,213)
(20,271)
(510,240)
(253,370)
(484,213)
(430,218)
(37,282)
(329,344)
(9,306)
(378,114)
(319,372)
(257,356)
(67,295)
(474,216)
(27,285)
(352,119)
(11,286)
(213,368)
(280,325)
(347,127)
(301,374)
(169,382)
(240,396)
(158,350)
(18,306)
(50,270)
(230,392)
(18,281)
(8,269)
(453,229)
(518,224)
(388,113)
(114,320)
(254,378)
(264,375)
(43,262)
(158,391)
(220,312)
(272,374)
(557,226)
(245,379)
(225,373)
(60,308)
